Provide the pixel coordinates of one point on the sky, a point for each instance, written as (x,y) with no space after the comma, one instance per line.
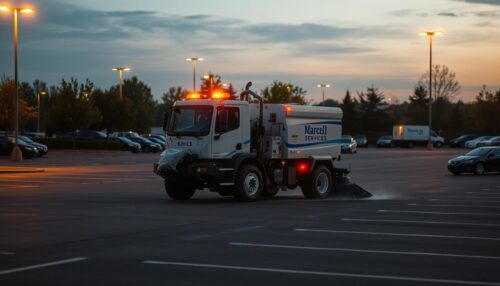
(349,44)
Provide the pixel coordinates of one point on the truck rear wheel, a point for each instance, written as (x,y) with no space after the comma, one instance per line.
(319,183)
(178,190)
(249,184)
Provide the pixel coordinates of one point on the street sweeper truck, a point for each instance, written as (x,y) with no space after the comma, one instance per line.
(247,149)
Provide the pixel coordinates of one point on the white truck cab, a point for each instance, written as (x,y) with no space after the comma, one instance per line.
(249,149)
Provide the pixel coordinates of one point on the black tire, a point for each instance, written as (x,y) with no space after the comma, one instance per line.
(178,190)
(249,184)
(456,173)
(319,183)
(479,169)
(270,192)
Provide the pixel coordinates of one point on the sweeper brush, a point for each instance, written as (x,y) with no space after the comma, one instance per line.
(346,189)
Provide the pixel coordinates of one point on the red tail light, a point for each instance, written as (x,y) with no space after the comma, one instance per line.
(303,167)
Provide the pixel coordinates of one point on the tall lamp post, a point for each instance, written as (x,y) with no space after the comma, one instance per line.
(430,34)
(210,77)
(120,71)
(39,95)
(323,86)
(194,60)
(17,155)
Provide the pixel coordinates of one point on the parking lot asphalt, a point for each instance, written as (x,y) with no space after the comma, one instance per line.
(103,218)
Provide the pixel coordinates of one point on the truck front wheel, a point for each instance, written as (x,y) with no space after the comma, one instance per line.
(178,190)
(319,183)
(249,184)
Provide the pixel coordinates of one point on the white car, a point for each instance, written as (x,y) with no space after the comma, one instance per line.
(493,141)
(473,143)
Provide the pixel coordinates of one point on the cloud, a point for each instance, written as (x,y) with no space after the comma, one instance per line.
(448,14)
(488,2)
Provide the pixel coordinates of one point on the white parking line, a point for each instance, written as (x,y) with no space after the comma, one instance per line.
(363,250)
(53,263)
(458,206)
(421,222)
(437,213)
(469,201)
(7,253)
(321,273)
(397,234)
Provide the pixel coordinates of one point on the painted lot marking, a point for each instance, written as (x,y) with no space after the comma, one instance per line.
(469,201)
(458,206)
(437,213)
(397,234)
(209,235)
(6,187)
(320,273)
(299,247)
(421,222)
(7,253)
(43,265)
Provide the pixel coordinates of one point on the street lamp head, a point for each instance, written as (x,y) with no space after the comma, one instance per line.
(121,69)
(194,59)
(323,85)
(5,9)
(26,10)
(43,93)
(431,33)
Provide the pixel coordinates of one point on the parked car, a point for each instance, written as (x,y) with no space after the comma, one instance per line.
(42,148)
(384,141)
(89,135)
(460,140)
(472,144)
(126,134)
(147,145)
(127,144)
(493,141)
(157,140)
(477,161)
(348,145)
(361,140)
(7,144)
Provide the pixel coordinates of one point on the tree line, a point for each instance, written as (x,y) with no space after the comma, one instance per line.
(71,106)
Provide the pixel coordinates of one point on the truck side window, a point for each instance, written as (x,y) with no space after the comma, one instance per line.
(233,119)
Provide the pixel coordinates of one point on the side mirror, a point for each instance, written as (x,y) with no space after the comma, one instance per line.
(165,120)
(222,121)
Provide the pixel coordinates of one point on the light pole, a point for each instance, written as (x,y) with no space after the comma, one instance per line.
(430,34)
(120,71)
(39,95)
(210,77)
(17,155)
(194,60)
(323,86)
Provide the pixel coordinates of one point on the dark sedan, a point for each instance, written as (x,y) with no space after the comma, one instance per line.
(478,161)
(7,145)
(147,145)
(42,148)
(460,141)
(127,144)
(361,140)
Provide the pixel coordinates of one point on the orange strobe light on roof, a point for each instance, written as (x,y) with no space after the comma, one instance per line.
(220,95)
(193,96)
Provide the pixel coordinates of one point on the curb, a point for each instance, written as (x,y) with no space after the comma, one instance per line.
(20,170)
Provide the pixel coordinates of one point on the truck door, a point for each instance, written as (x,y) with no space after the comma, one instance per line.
(227,135)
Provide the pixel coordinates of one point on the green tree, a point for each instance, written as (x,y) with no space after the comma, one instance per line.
(350,114)
(117,115)
(279,92)
(486,108)
(71,108)
(142,104)
(216,85)
(7,106)
(418,106)
(372,118)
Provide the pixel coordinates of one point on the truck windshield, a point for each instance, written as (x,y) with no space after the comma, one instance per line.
(190,121)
